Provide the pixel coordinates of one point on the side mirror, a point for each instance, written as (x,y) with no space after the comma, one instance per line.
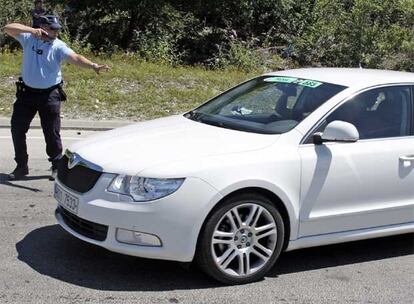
(337,131)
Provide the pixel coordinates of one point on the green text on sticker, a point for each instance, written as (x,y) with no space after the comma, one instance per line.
(308,83)
(281,79)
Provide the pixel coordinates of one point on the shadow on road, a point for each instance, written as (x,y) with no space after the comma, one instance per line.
(344,254)
(51,251)
(4,180)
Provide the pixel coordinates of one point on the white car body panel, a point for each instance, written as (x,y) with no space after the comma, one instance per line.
(350,236)
(356,186)
(332,193)
(118,211)
(349,77)
(163,141)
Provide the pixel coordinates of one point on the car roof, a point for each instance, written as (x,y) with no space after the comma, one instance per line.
(350,77)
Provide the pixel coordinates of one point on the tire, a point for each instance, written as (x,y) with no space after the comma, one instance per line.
(241,249)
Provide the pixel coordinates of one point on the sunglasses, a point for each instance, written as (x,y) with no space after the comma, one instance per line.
(47,27)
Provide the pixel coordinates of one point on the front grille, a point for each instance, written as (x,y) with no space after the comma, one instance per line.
(79,178)
(86,228)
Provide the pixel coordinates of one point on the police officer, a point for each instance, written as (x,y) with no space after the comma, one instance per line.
(40,88)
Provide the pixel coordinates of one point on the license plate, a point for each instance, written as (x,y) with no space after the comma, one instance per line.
(66,200)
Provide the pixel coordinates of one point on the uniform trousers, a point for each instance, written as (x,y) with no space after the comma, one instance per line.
(29,102)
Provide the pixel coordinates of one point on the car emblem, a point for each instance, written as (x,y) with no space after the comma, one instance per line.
(74,159)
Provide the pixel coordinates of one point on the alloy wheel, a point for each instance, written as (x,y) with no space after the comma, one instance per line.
(244,240)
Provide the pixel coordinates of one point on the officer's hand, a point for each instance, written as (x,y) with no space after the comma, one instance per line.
(98,68)
(40,33)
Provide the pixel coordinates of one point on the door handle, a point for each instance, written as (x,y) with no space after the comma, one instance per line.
(407,158)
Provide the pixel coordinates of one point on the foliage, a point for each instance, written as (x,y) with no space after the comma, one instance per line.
(369,33)
(245,34)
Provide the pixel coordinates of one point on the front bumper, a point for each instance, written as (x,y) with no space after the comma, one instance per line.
(175,219)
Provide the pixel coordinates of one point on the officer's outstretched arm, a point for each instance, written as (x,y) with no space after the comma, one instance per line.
(83,62)
(15,29)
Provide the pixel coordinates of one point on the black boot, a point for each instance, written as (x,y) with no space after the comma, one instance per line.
(54,168)
(19,173)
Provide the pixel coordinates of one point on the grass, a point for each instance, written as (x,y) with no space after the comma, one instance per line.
(133,89)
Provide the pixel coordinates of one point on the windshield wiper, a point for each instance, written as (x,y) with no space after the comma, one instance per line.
(205,118)
(193,115)
(217,122)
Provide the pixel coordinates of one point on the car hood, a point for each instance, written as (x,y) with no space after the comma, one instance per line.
(136,147)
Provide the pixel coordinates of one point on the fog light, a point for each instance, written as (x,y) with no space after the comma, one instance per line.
(137,238)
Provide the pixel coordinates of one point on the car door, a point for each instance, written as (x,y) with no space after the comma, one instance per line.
(368,183)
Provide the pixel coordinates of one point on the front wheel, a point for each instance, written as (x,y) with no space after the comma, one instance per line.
(241,239)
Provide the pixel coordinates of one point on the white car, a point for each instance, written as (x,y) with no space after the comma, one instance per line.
(287,160)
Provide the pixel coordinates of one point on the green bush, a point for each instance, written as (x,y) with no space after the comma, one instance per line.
(244,34)
(352,33)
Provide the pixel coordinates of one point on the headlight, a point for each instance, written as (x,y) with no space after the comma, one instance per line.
(143,189)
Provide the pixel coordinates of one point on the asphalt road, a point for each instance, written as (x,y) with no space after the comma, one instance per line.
(41,263)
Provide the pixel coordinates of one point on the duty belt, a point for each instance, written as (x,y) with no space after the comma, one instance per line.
(22,86)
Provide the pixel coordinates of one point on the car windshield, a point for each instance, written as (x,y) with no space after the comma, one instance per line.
(267,105)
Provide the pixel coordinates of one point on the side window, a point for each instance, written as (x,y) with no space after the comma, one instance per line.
(378,113)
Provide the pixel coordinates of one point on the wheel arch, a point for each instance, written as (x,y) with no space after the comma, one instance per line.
(286,212)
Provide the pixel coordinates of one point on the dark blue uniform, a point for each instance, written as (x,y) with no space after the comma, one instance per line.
(39,91)
(30,101)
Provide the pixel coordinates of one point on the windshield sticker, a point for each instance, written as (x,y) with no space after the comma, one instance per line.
(308,83)
(302,82)
(281,79)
